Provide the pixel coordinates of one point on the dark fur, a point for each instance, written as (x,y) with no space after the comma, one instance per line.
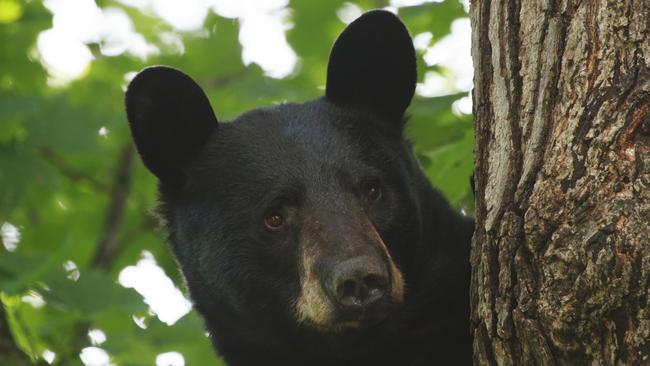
(217,183)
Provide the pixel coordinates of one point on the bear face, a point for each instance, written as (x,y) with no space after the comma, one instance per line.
(307,232)
(283,203)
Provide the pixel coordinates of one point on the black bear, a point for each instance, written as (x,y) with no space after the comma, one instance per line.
(307,233)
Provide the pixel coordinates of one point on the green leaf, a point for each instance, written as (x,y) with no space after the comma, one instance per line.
(450,167)
(93,293)
(434,17)
(10,11)
(20,331)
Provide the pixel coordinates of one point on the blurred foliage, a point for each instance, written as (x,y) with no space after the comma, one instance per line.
(78,196)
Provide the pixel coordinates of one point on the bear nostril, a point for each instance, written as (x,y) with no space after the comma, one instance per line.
(348,288)
(375,282)
(376,287)
(359,290)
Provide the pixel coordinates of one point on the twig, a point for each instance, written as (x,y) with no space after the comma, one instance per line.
(67,170)
(108,244)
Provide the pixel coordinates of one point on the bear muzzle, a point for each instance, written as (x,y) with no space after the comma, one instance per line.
(348,277)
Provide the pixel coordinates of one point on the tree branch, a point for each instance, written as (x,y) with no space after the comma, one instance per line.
(67,170)
(108,244)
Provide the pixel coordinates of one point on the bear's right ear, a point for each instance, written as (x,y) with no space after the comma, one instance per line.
(170,119)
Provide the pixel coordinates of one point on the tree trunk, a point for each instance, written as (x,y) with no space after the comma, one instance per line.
(561,252)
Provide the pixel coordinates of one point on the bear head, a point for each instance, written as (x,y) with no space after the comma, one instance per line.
(296,222)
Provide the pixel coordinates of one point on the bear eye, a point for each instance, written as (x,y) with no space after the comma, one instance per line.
(373,193)
(274,221)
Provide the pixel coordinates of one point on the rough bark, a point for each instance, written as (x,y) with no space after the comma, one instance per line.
(561,252)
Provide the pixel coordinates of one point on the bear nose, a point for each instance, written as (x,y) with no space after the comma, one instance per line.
(359,283)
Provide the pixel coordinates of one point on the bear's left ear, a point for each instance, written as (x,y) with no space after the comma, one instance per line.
(372,65)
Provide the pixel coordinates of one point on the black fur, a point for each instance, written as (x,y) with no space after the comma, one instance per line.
(170,119)
(372,65)
(218,183)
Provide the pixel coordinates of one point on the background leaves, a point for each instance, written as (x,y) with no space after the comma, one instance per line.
(80,199)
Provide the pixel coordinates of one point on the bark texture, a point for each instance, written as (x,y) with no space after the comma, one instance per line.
(561,252)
